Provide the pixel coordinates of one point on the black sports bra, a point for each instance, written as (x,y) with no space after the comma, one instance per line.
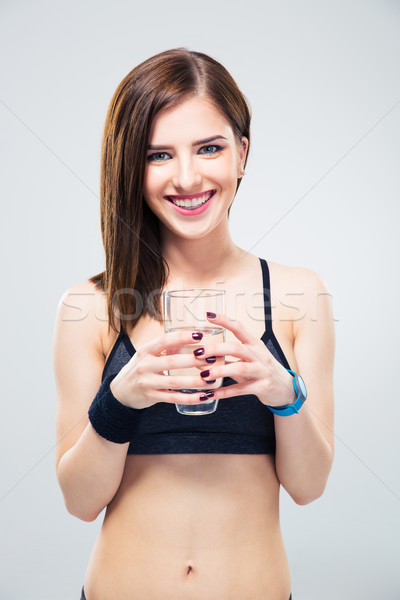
(240,425)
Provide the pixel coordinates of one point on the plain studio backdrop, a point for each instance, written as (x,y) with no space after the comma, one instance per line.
(321,191)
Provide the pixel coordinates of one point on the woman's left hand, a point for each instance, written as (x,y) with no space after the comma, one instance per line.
(257,371)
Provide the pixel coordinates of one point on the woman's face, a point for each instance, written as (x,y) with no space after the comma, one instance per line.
(192,155)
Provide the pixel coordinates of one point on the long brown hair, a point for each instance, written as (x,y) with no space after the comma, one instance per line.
(136,272)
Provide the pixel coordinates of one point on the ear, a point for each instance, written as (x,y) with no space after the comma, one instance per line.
(244,145)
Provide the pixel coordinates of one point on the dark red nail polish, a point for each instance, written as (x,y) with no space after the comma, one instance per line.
(211,359)
(205,373)
(206,396)
(211,381)
(197,335)
(211,315)
(198,351)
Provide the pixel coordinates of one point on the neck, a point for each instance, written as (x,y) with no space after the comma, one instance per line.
(201,262)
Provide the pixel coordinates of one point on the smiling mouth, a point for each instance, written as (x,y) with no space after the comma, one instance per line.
(192,202)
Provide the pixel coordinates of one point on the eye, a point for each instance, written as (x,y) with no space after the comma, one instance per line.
(217,149)
(152,157)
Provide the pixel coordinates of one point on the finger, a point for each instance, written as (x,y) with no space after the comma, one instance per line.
(177,397)
(169,341)
(178,382)
(236,377)
(230,362)
(241,371)
(235,349)
(236,327)
(177,361)
(257,367)
(236,389)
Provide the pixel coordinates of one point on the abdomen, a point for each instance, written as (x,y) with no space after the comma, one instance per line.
(190,526)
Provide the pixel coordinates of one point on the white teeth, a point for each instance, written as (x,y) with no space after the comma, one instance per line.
(194,202)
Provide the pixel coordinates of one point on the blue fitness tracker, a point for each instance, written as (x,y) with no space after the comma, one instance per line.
(301,395)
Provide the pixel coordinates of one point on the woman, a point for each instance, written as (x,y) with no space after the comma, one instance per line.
(192,503)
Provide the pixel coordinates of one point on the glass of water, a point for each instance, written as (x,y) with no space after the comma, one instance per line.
(185,310)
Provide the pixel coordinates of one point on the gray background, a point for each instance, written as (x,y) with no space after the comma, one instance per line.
(321,191)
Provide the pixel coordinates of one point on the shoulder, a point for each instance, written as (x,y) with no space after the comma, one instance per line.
(296,279)
(83,301)
(299,290)
(83,307)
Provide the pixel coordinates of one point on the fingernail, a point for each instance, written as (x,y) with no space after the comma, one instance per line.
(198,351)
(205,373)
(211,315)
(206,396)
(211,359)
(211,381)
(197,335)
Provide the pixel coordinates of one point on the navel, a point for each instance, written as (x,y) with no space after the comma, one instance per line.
(189,568)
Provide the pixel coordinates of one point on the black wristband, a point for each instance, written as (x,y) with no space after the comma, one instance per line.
(110,418)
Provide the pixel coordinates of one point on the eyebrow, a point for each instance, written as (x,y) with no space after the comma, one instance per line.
(197,143)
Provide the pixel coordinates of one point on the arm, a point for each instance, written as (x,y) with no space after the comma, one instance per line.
(89,467)
(304,441)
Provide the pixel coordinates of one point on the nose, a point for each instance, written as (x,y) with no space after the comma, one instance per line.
(187,176)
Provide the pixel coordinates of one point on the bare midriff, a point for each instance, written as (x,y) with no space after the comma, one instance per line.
(192,527)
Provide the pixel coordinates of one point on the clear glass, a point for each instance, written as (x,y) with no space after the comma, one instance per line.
(185,310)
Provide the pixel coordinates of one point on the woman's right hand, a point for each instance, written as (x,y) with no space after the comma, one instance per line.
(142,383)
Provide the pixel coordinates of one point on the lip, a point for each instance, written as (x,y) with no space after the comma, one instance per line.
(177,197)
(193,211)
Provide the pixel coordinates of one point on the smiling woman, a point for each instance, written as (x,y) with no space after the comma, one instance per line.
(211,172)
(192,502)
(150,90)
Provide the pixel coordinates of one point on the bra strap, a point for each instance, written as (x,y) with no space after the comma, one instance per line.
(267,294)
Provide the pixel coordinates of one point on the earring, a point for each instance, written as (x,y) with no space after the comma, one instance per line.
(243,172)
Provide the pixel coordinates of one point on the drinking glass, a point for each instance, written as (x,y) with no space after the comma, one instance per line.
(185,310)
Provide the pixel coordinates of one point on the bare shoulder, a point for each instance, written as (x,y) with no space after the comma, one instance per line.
(83,297)
(299,279)
(83,307)
(290,275)
(297,291)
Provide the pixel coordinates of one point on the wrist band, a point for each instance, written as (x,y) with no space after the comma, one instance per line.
(301,395)
(110,418)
